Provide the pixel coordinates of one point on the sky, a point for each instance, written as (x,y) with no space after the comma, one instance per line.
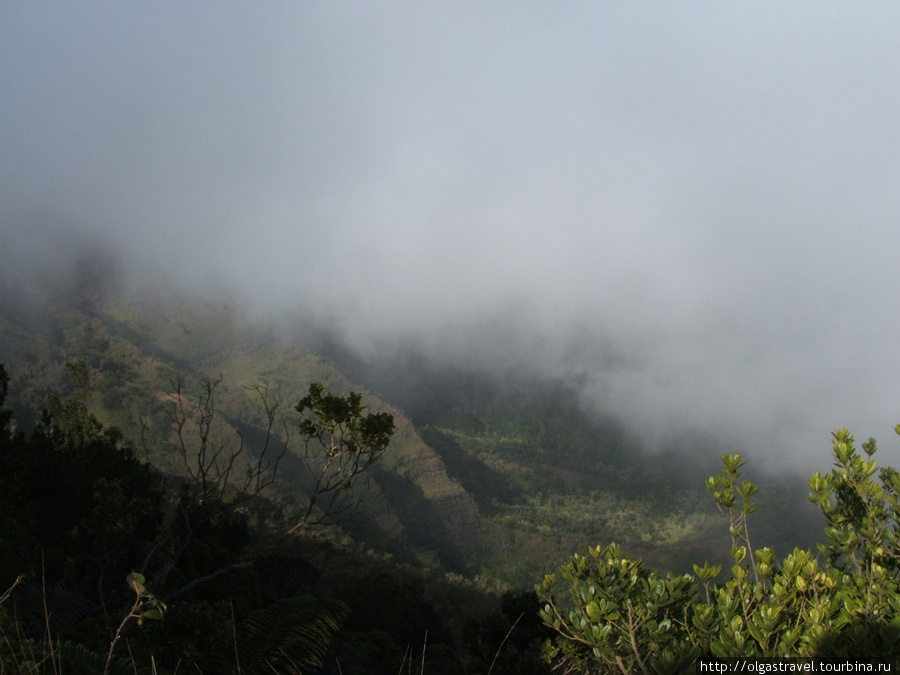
(690,209)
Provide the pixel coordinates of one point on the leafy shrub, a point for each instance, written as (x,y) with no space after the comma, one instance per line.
(612,614)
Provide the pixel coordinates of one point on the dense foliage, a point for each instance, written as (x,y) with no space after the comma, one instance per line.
(612,614)
(111,565)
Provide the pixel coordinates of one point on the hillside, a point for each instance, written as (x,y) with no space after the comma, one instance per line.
(134,351)
(498,475)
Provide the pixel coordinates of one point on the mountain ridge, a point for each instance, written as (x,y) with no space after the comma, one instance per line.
(486,475)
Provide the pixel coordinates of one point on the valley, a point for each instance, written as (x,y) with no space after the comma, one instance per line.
(493,474)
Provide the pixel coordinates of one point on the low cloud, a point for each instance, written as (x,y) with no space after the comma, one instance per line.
(690,213)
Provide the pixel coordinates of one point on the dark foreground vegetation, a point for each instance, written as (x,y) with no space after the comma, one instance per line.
(117,567)
(111,565)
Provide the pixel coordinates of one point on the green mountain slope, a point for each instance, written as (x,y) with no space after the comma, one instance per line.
(487,475)
(548,474)
(136,349)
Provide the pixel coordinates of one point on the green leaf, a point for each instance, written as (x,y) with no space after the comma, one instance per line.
(136,582)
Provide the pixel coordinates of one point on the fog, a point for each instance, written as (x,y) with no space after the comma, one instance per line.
(690,210)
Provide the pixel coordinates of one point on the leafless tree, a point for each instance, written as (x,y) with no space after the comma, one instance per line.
(340,443)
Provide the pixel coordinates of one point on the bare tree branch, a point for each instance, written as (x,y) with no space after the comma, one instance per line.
(340,443)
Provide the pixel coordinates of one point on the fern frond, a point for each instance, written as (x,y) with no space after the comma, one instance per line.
(290,635)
